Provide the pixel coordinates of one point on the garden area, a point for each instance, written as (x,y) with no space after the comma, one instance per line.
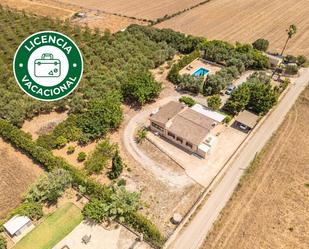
(52,228)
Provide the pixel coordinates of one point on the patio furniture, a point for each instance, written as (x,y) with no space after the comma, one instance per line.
(86,239)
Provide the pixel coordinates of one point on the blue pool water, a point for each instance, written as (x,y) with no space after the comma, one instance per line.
(200,72)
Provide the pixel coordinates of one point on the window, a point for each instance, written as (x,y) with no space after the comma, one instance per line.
(189,145)
(179,139)
(171,135)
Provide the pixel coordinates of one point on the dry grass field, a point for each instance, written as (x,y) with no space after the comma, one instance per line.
(17,173)
(246,21)
(144,9)
(95,18)
(270,207)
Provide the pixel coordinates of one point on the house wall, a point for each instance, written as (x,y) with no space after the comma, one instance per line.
(177,140)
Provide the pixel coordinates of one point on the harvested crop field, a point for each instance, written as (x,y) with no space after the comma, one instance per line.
(270,207)
(66,10)
(17,173)
(143,9)
(246,21)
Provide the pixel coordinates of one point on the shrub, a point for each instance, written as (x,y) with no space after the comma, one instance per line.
(291,69)
(122,182)
(95,210)
(141,135)
(120,203)
(261,44)
(81,156)
(227,119)
(31,209)
(3,243)
(99,158)
(214,102)
(61,142)
(117,166)
(70,150)
(151,233)
(187,100)
(50,187)
(301,60)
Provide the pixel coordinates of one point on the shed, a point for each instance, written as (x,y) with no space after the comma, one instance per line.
(16,225)
(216,116)
(248,119)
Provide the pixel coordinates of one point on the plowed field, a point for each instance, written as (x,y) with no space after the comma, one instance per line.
(248,20)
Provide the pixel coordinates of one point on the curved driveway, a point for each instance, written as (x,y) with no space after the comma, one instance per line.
(164,174)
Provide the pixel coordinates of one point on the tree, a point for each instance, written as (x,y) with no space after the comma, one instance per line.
(31,209)
(291,31)
(50,187)
(117,166)
(214,102)
(191,83)
(239,99)
(102,115)
(261,44)
(140,87)
(262,97)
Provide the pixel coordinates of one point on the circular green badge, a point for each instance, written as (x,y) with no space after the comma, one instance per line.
(48,66)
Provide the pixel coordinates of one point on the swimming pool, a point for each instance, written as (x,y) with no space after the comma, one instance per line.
(201,72)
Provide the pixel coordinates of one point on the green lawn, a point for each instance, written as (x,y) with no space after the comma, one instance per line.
(53,228)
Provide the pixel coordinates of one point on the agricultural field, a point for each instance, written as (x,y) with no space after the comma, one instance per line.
(270,206)
(93,19)
(141,9)
(246,21)
(13,165)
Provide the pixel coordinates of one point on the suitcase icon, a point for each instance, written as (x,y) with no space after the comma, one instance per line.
(47,66)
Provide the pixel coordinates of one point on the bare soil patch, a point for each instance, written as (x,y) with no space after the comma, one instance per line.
(17,173)
(43,123)
(270,207)
(246,21)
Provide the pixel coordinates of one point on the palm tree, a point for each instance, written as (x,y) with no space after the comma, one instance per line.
(291,31)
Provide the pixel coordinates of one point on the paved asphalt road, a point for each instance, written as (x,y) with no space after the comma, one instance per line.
(192,235)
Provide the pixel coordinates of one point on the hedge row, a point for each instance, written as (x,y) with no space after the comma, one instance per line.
(140,223)
(173,74)
(44,157)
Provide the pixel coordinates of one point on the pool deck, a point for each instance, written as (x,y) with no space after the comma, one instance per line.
(197,64)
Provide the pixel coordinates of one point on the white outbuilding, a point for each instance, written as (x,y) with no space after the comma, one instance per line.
(17,225)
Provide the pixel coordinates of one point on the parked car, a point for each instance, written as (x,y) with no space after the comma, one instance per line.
(243,127)
(230,89)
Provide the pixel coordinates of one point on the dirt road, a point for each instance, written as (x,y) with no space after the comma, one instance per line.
(194,233)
